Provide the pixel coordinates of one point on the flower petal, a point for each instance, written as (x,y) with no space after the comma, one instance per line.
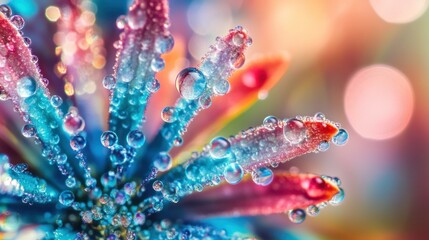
(287,191)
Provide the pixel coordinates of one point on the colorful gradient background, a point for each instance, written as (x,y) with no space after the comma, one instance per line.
(364,63)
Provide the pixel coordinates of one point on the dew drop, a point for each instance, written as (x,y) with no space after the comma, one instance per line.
(118,155)
(296,215)
(319,116)
(26,87)
(270,122)
(108,139)
(108,179)
(323,146)
(153,86)
(164,44)
(191,83)
(221,87)
(294,131)
(3,94)
(157,64)
(70,182)
(109,82)
(167,114)
(338,198)
(17,21)
(262,176)
(238,39)
(135,138)
(56,101)
(157,185)
(341,137)
(233,173)
(163,162)
(137,19)
(5,9)
(77,142)
(121,21)
(313,211)
(66,198)
(220,147)
(28,130)
(205,101)
(73,123)
(237,60)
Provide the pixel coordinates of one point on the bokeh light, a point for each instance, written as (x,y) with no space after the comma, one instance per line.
(399,11)
(379,102)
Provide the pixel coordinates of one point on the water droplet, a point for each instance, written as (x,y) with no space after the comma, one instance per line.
(157,64)
(220,147)
(163,162)
(28,131)
(135,138)
(296,215)
(108,139)
(262,176)
(118,155)
(56,101)
(191,83)
(70,182)
(167,114)
(27,41)
(153,86)
(77,142)
(205,101)
(137,19)
(5,9)
(313,211)
(294,131)
(26,87)
(157,185)
(238,39)
(73,123)
(164,44)
(338,198)
(221,87)
(341,137)
(270,122)
(233,173)
(319,117)
(3,94)
(237,60)
(108,179)
(109,82)
(66,198)
(17,21)
(323,146)
(121,21)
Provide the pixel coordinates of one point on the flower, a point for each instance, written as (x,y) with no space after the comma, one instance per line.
(122,184)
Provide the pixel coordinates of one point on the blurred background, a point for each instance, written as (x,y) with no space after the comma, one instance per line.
(363,63)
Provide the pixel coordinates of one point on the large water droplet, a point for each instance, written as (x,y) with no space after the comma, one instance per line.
(108,139)
(66,198)
(323,146)
(313,210)
(191,83)
(118,155)
(17,21)
(28,131)
(26,87)
(163,162)
(135,138)
(70,182)
(220,147)
(5,9)
(294,131)
(157,64)
(137,19)
(270,122)
(233,173)
(296,215)
(164,44)
(121,21)
(221,87)
(341,137)
(56,101)
(167,114)
(237,60)
(262,176)
(77,142)
(73,123)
